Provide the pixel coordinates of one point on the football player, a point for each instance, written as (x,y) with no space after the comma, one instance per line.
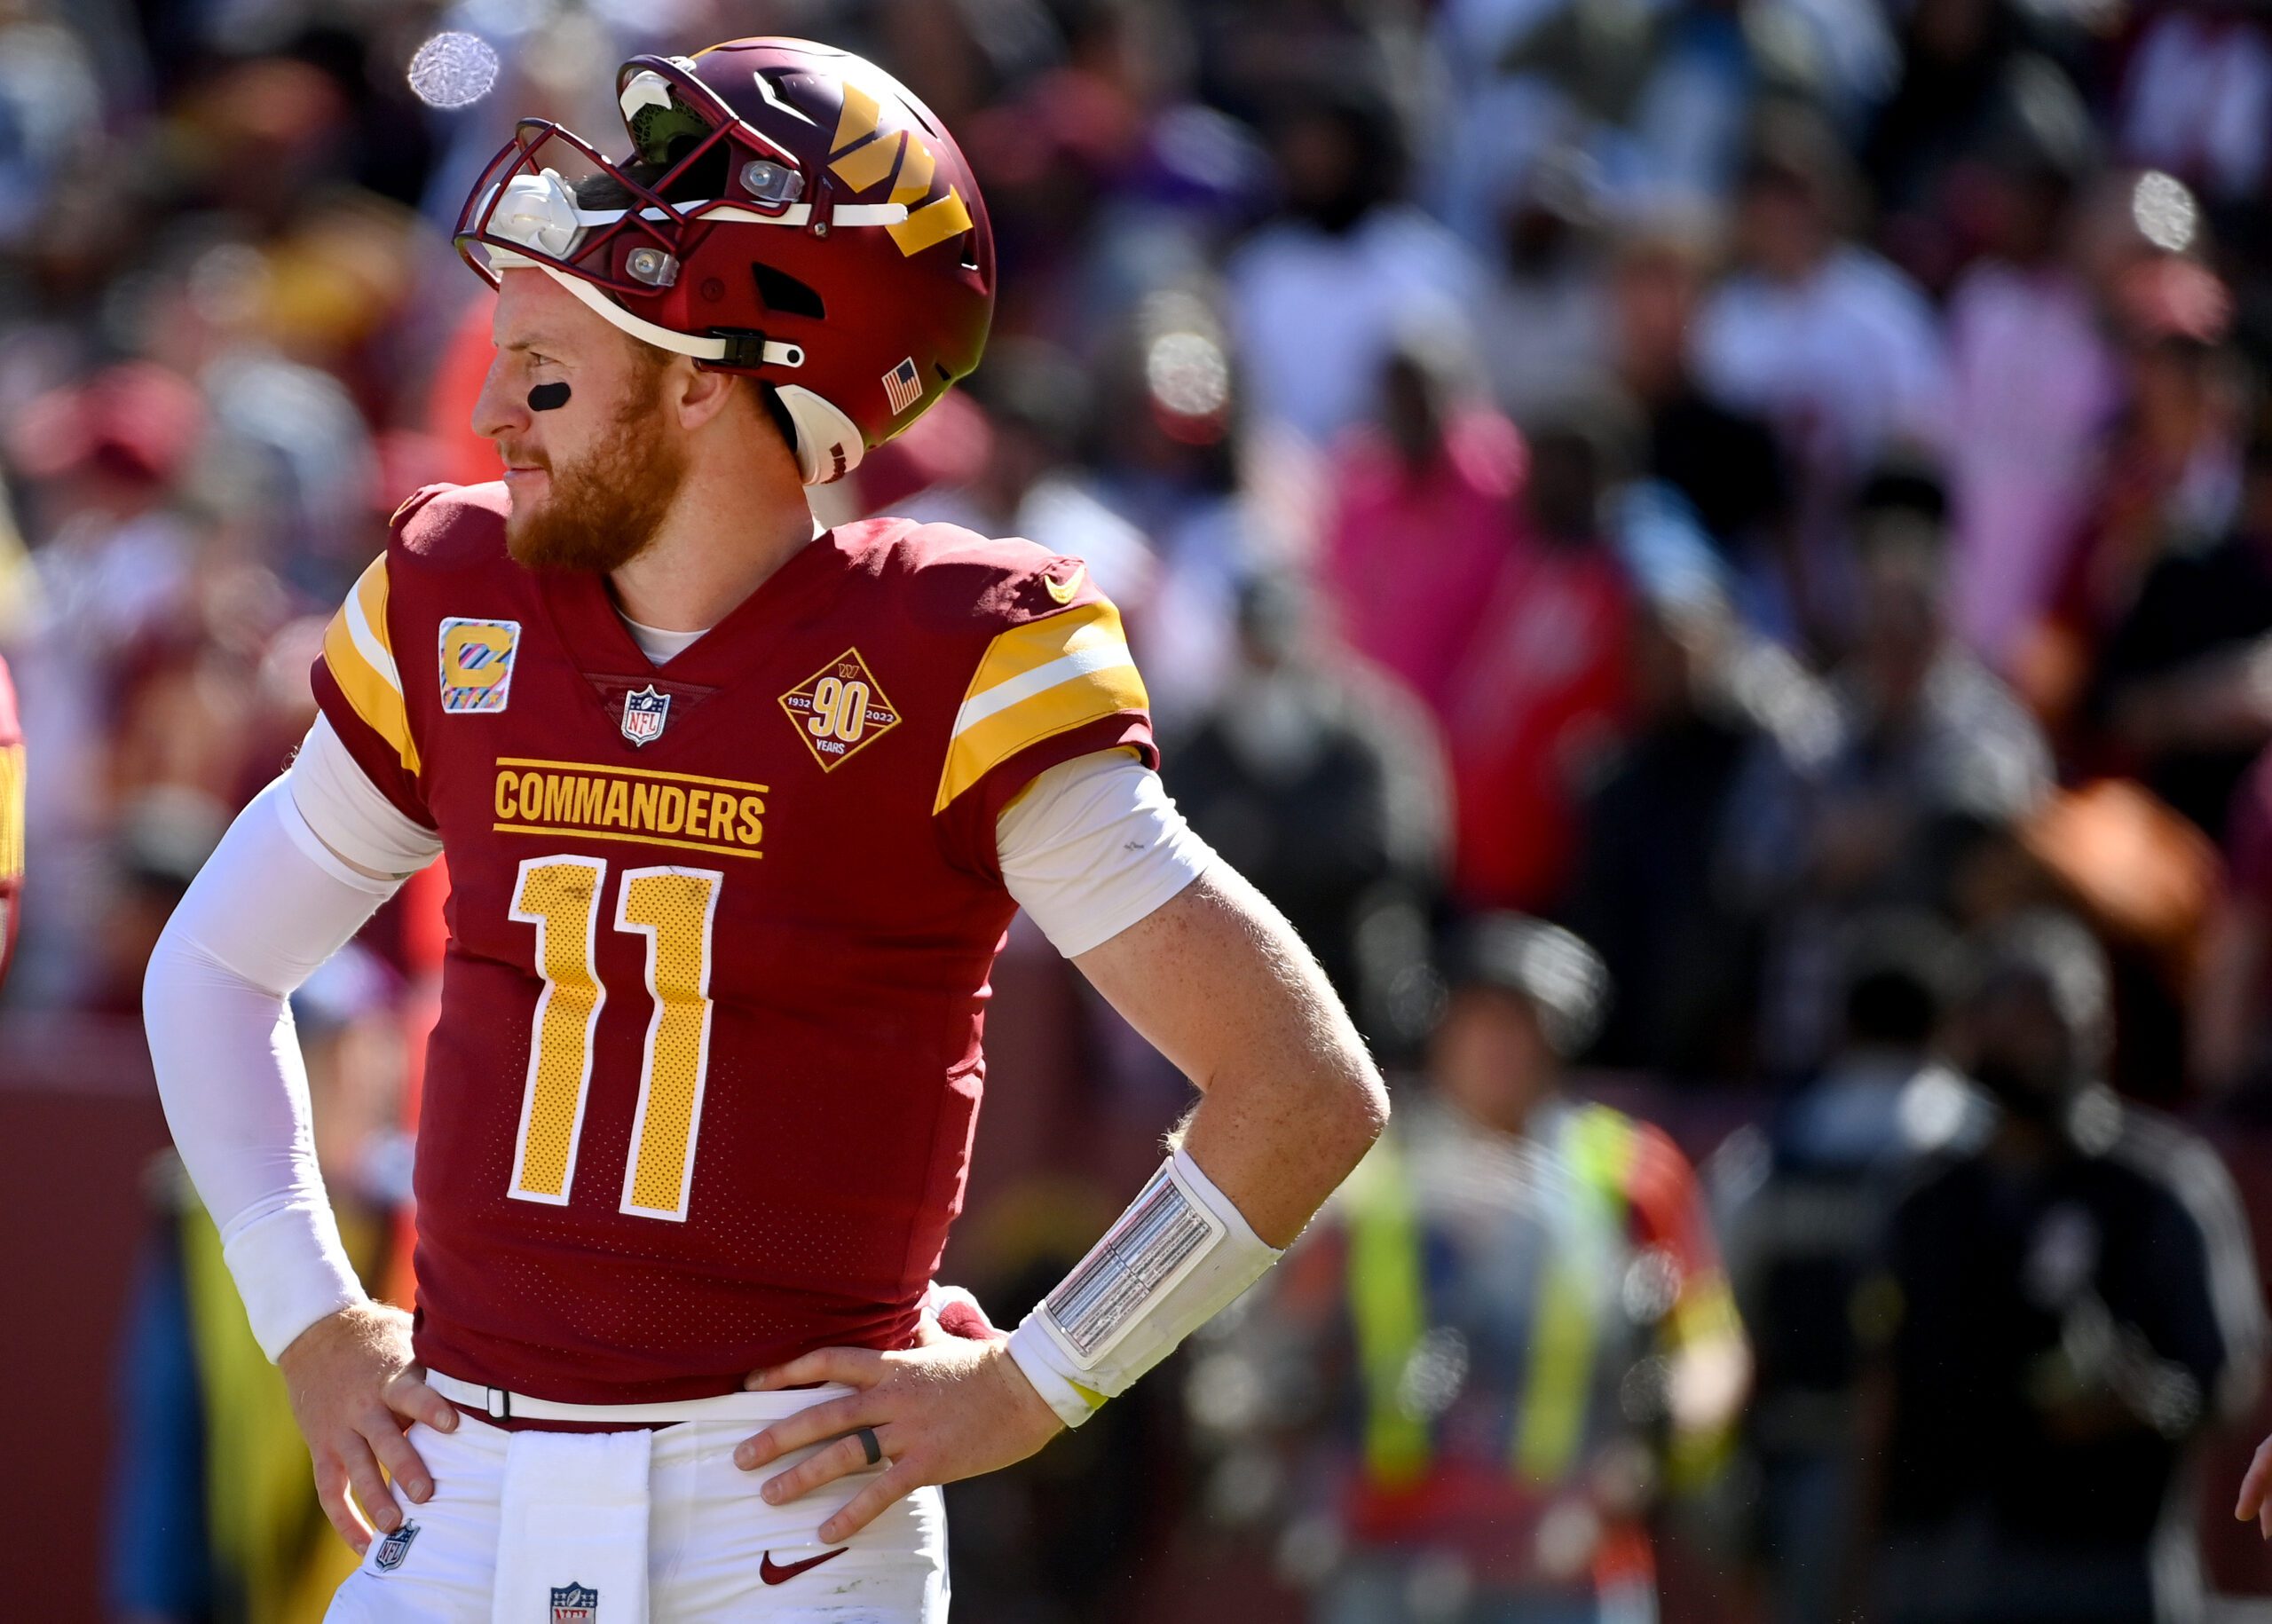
(736,812)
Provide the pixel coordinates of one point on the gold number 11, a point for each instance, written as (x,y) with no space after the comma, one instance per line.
(674,908)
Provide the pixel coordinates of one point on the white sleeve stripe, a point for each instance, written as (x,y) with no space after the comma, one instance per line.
(318,851)
(1106,654)
(347,815)
(1092,847)
(367,644)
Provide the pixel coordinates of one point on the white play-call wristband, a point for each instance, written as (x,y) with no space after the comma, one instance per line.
(1178,1256)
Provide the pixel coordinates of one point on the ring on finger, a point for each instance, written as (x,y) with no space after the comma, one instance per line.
(868,1447)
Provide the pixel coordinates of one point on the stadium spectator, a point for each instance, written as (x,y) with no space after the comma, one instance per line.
(1325,787)
(2230,1038)
(1509,1334)
(1933,762)
(2065,1305)
(2032,387)
(1804,1205)
(113,551)
(2196,101)
(1717,715)
(2180,692)
(1725,462)
(1222,497)
(1544,330)
(1835,348)
(2168,480)
(1424,517)
(1540,697)
(1346,257)
(1969,75)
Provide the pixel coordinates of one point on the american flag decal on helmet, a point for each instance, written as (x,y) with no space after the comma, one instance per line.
(903,385)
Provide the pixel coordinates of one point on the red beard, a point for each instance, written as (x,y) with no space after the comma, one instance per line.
(602,510)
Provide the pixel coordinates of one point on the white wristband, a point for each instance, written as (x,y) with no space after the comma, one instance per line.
(1178,1256)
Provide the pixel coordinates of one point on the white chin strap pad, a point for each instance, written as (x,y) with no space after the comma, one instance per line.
(828,443)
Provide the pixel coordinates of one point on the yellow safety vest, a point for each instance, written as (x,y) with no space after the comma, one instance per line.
(1388,1305)
(275,1558)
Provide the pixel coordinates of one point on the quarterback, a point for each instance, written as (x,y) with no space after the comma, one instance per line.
(735,811)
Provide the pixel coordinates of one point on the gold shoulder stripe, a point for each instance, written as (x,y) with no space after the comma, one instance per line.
(360,655)
(12,811)
(1036,681)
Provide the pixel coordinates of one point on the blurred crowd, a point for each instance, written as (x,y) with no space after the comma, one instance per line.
(1714,556)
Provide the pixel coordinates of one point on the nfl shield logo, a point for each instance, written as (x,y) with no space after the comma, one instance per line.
(394,1548)
(575,1604)
(644,714)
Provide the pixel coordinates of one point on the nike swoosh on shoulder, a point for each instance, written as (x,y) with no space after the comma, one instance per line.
(1063,592)
(775,1573)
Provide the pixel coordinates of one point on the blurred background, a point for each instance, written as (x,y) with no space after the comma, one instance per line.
(1714,556)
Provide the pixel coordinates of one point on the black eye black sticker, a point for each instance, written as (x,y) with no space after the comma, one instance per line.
(547,397)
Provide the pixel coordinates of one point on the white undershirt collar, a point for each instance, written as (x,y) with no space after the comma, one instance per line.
(660,647)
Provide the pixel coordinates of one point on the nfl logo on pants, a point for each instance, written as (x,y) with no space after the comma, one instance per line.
(575,1604)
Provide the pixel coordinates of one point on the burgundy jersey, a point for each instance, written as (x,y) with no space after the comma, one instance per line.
(708,1068)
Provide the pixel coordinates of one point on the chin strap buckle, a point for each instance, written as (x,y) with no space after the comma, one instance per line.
(747,347)
(744,346)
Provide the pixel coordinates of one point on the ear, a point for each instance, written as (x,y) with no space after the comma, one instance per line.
(697,394)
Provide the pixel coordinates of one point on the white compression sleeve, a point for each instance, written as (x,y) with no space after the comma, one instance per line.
(269,906)
(349,814)
(1094,845)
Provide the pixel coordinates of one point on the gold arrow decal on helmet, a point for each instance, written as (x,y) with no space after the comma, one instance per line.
(861,159)
(864,166)
(915,173)
(934,222)
(858,122)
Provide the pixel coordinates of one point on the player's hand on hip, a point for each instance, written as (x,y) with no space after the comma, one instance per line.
(354,1387)
(2256,1491)
(952,1409)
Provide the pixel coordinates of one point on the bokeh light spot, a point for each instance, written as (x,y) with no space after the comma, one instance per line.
(453,69)
(2165,211)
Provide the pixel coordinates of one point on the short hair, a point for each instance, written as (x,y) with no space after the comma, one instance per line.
(1562,979)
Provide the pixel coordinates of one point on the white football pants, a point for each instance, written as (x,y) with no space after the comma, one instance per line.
(641,1527)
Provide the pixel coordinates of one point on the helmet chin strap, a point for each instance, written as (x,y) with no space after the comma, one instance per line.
(700,347)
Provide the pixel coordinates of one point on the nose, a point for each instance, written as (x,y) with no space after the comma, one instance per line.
(498,412)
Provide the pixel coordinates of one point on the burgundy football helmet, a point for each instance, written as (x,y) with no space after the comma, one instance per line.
(787,211)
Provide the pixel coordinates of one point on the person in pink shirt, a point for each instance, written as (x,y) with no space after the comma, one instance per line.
(1424,519)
